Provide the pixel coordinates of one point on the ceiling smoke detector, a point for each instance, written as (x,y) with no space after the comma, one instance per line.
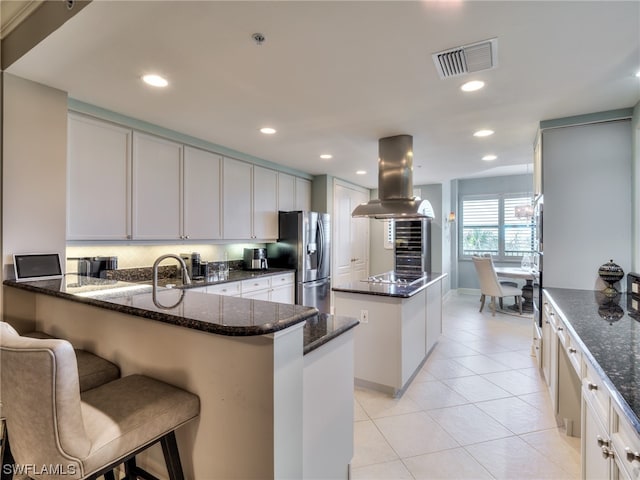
(259,38)
(467,59)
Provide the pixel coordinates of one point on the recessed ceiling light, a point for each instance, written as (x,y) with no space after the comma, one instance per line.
(326,156)
(638,74)
(155,80)
(361,172)
(483,133)
(472,86)
(268,130)
(488,158)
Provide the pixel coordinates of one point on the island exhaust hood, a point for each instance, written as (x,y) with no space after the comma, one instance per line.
(395,183)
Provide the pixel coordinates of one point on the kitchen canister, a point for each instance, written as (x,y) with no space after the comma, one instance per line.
(610,273)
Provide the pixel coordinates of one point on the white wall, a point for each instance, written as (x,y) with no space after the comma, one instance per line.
(34,169)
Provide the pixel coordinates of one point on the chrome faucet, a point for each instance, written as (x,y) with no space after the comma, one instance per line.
(185,279)
(185,274)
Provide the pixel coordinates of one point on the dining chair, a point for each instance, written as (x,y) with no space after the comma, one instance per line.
(491,286)
(90,433)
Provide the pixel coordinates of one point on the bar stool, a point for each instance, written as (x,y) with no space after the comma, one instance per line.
(93,371)
(89,434)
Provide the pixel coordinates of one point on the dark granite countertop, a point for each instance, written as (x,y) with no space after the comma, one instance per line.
(387,289)
(612,346)
(223,315)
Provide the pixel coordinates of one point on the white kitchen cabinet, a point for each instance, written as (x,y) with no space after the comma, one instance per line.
(433,312)
(201,195)
(550,351)
(274,288)
(250,202)
(237,200)
(99,172)
(303,194)
(157,192)
(394,336)
(232,289)
(596,444)
(286,192)
(282,288)
(626,445)
(265,203)
(350,249)
(294,193)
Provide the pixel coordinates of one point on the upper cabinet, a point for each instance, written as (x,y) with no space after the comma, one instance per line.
(237,203)
(202,219)
(294,193)
(265,203)
(129,185)
(303,194)
(250,206)
(98,191)
(157,202)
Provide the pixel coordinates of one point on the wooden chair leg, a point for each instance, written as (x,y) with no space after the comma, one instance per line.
(493,306)
(482,299)
(109,475)
(172,456)
(501,305)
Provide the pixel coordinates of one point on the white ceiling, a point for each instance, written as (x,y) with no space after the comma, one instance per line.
(334,76)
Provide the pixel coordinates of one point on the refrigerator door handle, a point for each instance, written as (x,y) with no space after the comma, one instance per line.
(321,245)
(315,283)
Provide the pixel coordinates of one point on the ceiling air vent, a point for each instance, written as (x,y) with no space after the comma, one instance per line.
(467,59)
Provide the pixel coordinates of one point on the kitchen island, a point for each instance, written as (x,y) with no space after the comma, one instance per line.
(400,324)
(251,362)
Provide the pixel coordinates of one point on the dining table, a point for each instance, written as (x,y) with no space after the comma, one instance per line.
(526,274)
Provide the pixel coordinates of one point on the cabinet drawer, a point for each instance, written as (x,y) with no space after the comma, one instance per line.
(626,443)
(284,279)
(255,284)
(594,388)
(574,353)
(230,288)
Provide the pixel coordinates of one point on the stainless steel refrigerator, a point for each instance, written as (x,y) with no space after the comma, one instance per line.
(304,244)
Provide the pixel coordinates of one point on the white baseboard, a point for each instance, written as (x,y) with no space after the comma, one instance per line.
(468,291)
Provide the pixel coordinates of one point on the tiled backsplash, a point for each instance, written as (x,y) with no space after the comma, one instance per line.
(136,256)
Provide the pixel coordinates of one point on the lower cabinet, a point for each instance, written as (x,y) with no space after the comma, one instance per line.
(610,445)
(273,288)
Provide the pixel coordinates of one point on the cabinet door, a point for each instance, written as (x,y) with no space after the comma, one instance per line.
(303,194)
(237,199)
(595,445)
(286,192)
(433,314)
(202,218)
(359,239)
(265,203)
(99,166)
(157,195)
(283,294)
(343,257)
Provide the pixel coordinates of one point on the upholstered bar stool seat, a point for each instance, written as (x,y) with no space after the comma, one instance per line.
(93,370)
(51,423)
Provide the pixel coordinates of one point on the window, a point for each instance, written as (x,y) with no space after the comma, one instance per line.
(490,226)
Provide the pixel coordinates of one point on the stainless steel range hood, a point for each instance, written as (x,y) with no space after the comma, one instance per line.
(395,183)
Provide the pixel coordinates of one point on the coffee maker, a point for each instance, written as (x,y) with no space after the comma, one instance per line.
(96,266)
(255,259)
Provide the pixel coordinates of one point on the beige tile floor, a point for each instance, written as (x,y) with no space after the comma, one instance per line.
(478,409)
